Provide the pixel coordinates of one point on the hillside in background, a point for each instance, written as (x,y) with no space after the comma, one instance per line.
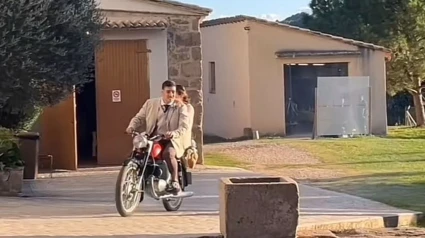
(296,20)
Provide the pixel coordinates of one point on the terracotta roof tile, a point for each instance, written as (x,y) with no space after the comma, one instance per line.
(241,18)
(142,23)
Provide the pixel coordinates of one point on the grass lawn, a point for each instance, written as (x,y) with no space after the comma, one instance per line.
(215,159)
(390,170)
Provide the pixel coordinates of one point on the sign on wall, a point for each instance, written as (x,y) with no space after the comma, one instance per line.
(116,95)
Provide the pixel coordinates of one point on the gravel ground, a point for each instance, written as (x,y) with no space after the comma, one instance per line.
(274,159)
(264,153)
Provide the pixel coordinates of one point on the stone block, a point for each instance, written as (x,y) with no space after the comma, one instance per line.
(173,71)
(181,81)
(188,39)
(195,83)
(196,53)
(180,21)
(195,24)
(260,207)
(11,182)
(179,57)
(191,69)
(183,50)
(196,95)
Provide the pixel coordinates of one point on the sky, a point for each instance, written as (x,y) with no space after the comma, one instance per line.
(266,9)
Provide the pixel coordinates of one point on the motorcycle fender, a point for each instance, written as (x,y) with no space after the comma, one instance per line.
(125,163)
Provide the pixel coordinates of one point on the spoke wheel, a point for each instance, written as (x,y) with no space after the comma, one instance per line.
(127,193)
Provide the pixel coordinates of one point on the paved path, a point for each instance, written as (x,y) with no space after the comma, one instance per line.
(83,206)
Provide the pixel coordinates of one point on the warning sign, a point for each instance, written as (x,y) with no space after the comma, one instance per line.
(116,95)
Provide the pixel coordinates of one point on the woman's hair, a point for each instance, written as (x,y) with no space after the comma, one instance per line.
(181,91)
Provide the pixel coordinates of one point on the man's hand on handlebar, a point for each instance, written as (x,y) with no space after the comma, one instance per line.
(168,135)
(129,130)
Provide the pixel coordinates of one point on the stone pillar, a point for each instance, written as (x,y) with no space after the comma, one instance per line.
(185,67)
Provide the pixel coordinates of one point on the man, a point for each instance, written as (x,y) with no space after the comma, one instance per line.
(163,116)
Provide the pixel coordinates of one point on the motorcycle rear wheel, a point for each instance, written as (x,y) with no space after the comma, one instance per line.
(125,203)
(174,204)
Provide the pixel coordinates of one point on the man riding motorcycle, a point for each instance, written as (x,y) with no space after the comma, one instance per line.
(163,116)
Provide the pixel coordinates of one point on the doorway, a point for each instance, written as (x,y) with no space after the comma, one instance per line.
(300,86)
(86,124)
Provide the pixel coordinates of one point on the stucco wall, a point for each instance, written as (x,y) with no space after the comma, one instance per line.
(158,59)
(226,44)
(267,76)
(375,67)
(227,112)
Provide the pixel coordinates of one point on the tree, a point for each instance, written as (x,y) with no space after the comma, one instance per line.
(46,47)
(396,24)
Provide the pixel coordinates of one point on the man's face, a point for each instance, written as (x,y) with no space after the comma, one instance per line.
(169,93)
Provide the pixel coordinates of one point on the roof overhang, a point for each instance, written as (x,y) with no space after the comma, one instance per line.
(290,54)
(161,7)
(242,18)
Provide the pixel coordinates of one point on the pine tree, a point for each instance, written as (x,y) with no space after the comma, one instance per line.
(46,47)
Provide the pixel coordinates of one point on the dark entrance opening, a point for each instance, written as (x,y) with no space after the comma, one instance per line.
(300,85)
(86,121)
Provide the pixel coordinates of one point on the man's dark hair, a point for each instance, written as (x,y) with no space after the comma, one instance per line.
(168,83)
(180,89)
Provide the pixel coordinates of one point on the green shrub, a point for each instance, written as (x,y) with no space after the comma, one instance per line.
(17,117)
(10,156)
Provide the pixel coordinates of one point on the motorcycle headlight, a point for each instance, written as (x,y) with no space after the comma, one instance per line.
(140,142)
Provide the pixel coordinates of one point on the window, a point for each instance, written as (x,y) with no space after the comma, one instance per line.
(212,77)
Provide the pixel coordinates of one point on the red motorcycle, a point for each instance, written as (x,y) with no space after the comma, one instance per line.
(145,173)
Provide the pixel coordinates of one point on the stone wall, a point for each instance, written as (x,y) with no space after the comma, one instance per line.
(184,66)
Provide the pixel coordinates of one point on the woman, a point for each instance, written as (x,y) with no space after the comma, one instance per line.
(191,154)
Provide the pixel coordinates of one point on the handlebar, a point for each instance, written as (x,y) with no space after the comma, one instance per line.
(152,138)
(157,137)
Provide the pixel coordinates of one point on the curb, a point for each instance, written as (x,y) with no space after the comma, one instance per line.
(392,221)
(115,169)
(400,220)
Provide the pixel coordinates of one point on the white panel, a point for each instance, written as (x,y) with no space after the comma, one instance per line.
(343,105)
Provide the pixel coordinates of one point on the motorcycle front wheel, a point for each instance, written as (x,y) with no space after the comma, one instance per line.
(127,192)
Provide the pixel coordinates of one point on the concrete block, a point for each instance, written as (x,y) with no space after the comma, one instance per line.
(11,182)
(260,207)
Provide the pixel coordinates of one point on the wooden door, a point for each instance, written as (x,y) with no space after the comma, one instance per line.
(120,65)
(58,134)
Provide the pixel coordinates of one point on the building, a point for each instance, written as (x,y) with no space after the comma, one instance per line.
(145,43)
(247,63)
